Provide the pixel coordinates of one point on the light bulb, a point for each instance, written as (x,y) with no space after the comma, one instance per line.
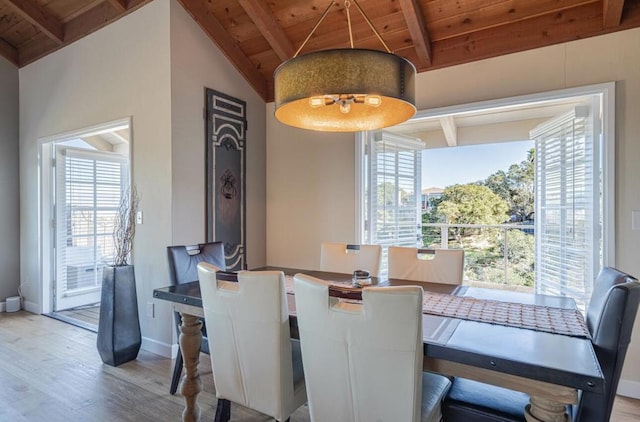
(373,100)
(316,102)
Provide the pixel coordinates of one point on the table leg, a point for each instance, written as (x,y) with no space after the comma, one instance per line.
(545,410)
(191,384)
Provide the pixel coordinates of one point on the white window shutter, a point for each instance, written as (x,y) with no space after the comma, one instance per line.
(89,185)
(566,201)
(394,188)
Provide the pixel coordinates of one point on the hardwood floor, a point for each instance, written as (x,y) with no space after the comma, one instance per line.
(50,371)
(86,317)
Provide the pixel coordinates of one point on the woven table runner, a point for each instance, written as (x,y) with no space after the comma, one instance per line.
(563,321)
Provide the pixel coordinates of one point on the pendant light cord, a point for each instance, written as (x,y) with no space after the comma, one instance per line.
(314,28)
(347,5)
(366,18)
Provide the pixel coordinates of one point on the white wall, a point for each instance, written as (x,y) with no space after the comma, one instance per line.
(310,193)
(197,63)
(310,177)
(152,65)
(9,192)
(121,70)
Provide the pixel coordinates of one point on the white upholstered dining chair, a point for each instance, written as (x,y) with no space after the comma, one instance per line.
(433,265)
(346,258)
(255,363)
(363,361)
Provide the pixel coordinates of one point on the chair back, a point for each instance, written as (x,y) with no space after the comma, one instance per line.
(610,317)
(432,265)
(362,362)
(251,356)
(184,260)
(345,258)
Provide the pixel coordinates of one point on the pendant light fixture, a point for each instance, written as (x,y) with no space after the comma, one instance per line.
(346,89)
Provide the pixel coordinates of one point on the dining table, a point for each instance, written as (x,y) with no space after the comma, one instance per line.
(551,366)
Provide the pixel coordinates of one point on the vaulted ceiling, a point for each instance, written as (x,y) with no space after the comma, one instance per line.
(258,35)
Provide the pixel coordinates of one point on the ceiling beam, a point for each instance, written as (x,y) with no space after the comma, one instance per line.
(415,22)
(612,12)
(119,5)
(9,52)
(263,18)
(98,143)
(579,23)
(213,28)
(492,15)
(90,21)
(38,17)
(450,130)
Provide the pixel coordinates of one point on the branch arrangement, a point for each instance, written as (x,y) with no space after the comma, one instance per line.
(125,227)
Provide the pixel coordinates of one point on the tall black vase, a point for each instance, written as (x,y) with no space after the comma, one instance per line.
(119,335)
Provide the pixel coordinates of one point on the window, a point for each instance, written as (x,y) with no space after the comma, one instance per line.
(393,202)
(574,179)
(567,253)
(88,192)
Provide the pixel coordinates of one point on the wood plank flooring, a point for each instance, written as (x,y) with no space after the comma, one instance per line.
(50,371)
(87,317)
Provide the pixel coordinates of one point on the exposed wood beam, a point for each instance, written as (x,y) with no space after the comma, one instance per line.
(90,4)
(493,15)
(119,5)
(213,28)
(98,143)
(90,21)
(579,23)
(415,23)
(612,12)
(42,20)
(262,17)
(450,130)
(9,52)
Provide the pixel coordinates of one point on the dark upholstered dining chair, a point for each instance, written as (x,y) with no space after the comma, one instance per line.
(183,268)
(610,317)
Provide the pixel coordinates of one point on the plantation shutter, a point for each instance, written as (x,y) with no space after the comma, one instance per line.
(395,180)
(89,186)
(567,204)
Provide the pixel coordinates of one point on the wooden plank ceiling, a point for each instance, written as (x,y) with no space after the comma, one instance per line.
(258,35)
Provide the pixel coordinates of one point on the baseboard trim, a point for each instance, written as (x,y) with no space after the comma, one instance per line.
(157,347)
(629,389)
(32,307)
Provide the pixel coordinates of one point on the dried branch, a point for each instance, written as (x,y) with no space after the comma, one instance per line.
(125,227)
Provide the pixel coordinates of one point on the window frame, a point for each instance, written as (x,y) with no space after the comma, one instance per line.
(606,90)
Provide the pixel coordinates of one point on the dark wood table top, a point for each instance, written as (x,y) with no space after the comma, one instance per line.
(553,358)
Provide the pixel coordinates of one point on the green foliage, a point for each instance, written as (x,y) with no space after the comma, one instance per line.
(472,204)
(489,202)
(484,256)
(516,187)
(388,196)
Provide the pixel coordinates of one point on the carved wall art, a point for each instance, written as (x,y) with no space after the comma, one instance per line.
(226,167)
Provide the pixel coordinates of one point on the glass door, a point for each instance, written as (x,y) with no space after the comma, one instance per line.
(89,185)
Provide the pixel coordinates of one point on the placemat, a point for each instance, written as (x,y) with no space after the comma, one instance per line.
(533,317)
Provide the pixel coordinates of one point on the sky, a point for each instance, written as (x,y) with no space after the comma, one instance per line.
(442,167)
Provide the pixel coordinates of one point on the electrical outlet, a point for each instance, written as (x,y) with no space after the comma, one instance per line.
(150,310)
(635,220)
(139,217)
